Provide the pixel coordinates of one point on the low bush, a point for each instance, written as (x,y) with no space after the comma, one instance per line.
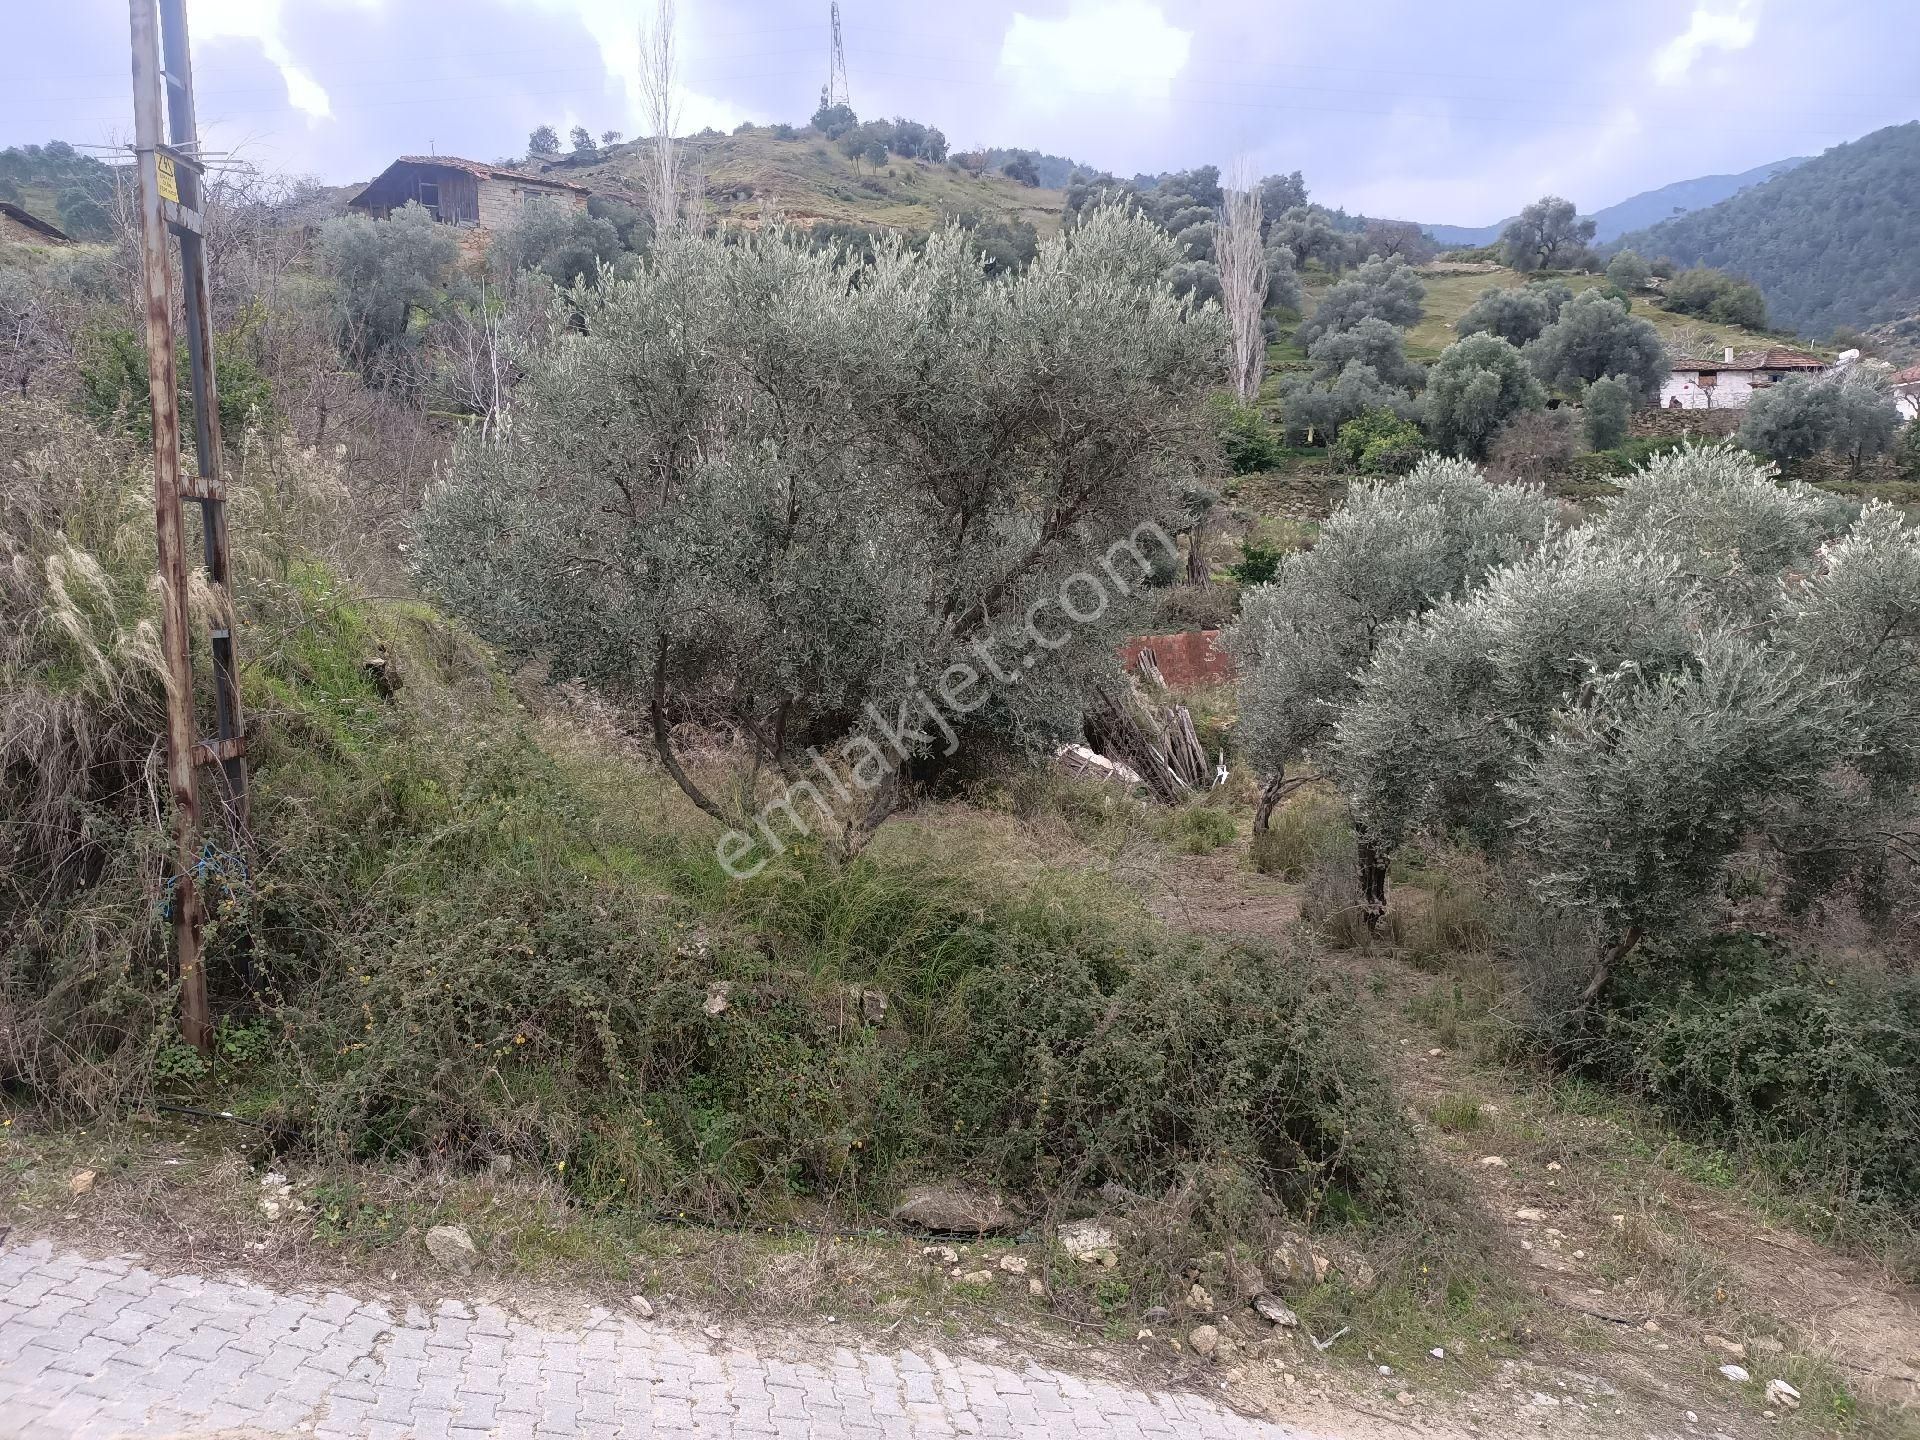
(1310,827)
(1812,1068)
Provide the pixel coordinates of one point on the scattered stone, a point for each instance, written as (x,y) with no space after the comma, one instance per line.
(1435,1053)
(714,1332)
(1200,1298)
(1148,1335)
(1157,1313)
(1692,1419)
(1275,1310)
(1204,1339)
(1725,1346)
(1736,1373)
(1555,1167)
(1091,1242)
(500,1164)
(642,1306)
(978,1277)
(81,1182)
(955,1209)
(1765,1345)
(1493,1162)
(873,1006)
(452,1247)
(1540,1397)
(941,1254)
(1386,1370)
(1780,1393)
(1529,1214)
(1438,1352)
(1014,1264)
(1037,1288)
(719,992)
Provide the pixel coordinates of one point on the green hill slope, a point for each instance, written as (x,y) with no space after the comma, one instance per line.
(1831,242)
(808,178)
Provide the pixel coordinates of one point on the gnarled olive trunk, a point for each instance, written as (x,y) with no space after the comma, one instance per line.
(1271,790)
(1373,882)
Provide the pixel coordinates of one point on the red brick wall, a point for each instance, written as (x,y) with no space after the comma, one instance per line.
(1193,657)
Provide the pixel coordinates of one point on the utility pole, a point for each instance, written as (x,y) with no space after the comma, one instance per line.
(172,192)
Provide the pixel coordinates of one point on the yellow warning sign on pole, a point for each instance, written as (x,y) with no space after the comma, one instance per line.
(169,187)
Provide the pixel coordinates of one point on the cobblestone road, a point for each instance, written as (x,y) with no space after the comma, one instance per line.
(102,1347)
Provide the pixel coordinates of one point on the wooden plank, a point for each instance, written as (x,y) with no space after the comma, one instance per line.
(180,217)
(203,487)
(218,752)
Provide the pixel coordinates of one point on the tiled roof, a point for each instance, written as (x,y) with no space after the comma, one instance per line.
(1774,358)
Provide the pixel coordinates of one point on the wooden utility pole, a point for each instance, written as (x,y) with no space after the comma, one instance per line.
(172,191)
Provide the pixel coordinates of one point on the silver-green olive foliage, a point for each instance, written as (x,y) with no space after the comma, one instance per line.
(1619,713)
(1393,550)
(1596,335)
(761,485)
(1476,386)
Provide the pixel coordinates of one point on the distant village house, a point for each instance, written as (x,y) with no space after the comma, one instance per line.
(1728,383)
(1906,392)
(463,192)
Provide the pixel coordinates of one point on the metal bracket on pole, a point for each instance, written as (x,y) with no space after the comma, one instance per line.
(172,202)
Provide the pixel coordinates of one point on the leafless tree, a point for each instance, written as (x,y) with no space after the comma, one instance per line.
(1243,279)
(670,184)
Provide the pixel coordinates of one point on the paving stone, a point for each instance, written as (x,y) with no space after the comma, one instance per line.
(104,1347)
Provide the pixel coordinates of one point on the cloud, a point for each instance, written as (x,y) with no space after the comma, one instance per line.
(1099,47)
(1727,26)
(259,21)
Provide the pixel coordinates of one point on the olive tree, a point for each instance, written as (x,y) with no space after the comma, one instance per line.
(1607,412)
(1476,386)
(1380,289)
(383,272)
(1802,416)
(1628,271)
(1393,550)
(1595,335)
(797,495)
(1612,718)
(1547,235)
(1313,410)
(1373,342)
(1516,314)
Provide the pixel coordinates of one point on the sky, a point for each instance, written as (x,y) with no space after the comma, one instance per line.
(1440,113)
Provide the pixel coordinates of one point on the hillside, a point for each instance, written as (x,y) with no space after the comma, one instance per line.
(1830,242)
(1649,207)
(60,185)
(808,178)
(1452,289)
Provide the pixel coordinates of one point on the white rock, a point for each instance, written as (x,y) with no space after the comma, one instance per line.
(1493,1162)
(1091,1242)
(1204,1339)
(1736,1373)
(1542,1398)
(1555,1166)
(1386,1369)
(1275,1310)
(642,1306)
(719,993)
(452,1247)
(1438,1352)
(1014,1264)
(1529,1214)
(1780,1393)
(941,1254)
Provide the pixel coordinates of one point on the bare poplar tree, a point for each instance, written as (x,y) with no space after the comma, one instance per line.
(660,94)
(1243,279)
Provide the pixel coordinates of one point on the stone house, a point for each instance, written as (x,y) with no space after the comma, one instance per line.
(1728,383)
(463,192)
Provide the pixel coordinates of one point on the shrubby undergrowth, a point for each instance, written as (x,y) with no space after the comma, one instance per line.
(456,934)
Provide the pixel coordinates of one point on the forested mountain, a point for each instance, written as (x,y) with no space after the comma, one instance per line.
(1835,241)
(1649,207)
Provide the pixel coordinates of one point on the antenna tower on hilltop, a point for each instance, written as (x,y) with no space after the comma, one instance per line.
(835,92)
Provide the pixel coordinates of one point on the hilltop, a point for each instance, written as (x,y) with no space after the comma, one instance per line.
(1830,242)
(808,178)
(1649,207)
